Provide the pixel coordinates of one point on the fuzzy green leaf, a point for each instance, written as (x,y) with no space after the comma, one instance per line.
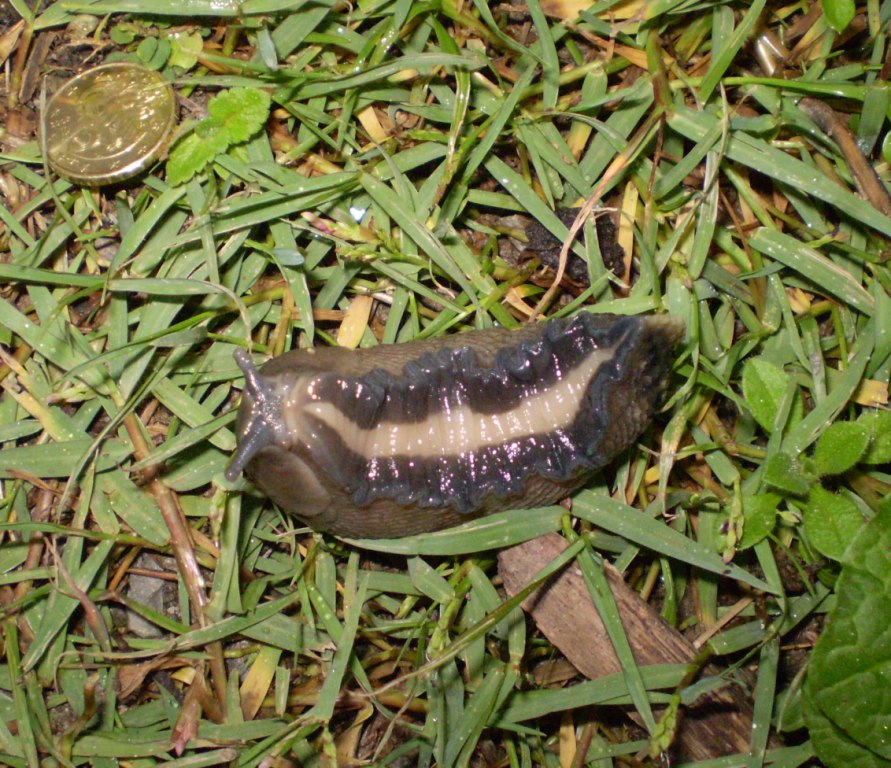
(764,386)
(241,111)
(848,677)
(879,425)
(840,447)
(213,133)
(831,521)
(786,474)
(235,116)
(188,157)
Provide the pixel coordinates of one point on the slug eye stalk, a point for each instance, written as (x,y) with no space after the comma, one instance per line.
(257,427)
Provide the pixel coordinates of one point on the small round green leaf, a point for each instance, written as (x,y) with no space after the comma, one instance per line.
(185,48)
(831,521)
(838,13)
(879,425)
(153,52)
(840,447)
(760,516)
(886,148)
(784,473)
(122,34)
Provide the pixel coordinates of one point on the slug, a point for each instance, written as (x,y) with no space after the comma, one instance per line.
(407,438)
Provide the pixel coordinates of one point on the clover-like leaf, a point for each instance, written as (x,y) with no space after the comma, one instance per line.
(153,52)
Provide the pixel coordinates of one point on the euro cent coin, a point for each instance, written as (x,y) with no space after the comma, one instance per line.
(108,124)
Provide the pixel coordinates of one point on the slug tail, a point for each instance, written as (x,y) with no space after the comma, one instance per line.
(257,423)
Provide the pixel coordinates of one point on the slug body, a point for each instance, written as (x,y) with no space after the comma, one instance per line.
(407,438)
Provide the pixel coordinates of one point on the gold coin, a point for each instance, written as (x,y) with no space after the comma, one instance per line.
(108,124)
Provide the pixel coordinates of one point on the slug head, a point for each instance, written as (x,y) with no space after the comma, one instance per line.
(259,418)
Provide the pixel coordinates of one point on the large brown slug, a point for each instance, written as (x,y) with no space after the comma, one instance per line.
(414,437)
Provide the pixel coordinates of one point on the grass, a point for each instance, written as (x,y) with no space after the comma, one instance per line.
(404,139)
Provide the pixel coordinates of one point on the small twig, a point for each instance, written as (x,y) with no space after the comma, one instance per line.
(865,178)
(36,543)
(581,750)
(183,552)
(726,619)
(91,612)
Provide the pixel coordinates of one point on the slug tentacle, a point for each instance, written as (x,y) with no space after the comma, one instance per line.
(259,421)
(414,437)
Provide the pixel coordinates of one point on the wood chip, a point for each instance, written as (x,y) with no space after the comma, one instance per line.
(717,724)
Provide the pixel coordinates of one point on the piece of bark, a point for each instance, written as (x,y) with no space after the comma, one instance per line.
(718,724)
(33,64)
